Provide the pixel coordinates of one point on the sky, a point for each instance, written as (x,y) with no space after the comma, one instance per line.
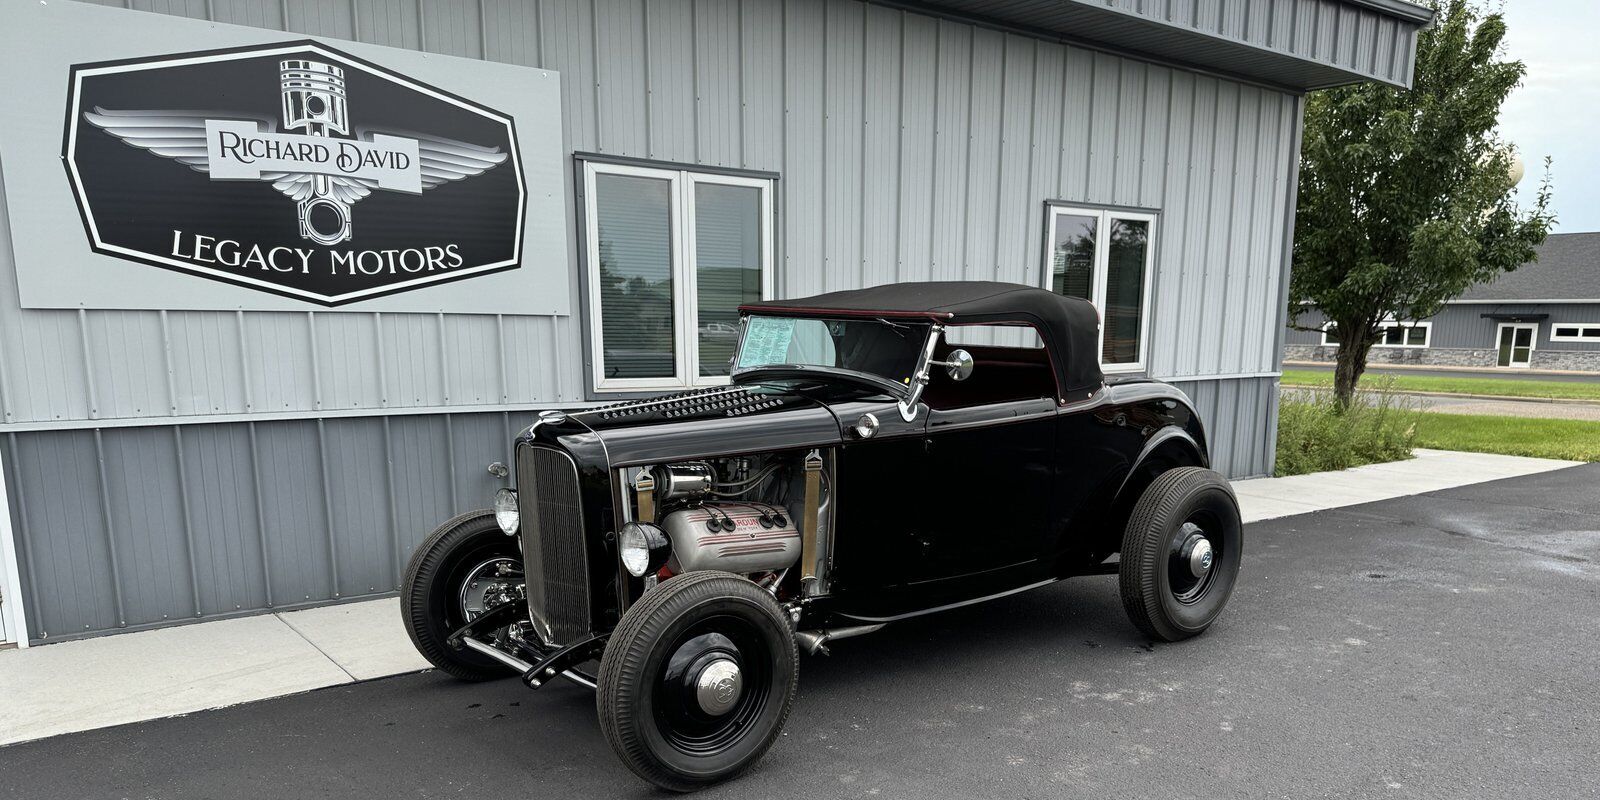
(1556,111)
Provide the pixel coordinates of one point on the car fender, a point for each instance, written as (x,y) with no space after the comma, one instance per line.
(1171,442)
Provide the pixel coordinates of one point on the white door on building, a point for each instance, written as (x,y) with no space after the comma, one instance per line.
(1515,343)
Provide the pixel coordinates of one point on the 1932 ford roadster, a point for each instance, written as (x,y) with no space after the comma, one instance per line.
(858,470)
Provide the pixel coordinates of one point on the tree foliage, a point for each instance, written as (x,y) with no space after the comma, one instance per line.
(1405,200)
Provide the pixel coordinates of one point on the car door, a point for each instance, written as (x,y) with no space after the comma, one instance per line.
(878,502)
(990,474)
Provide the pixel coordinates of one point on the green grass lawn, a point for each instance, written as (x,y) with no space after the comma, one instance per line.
(1562,390)
(1575,440)
(1314,435)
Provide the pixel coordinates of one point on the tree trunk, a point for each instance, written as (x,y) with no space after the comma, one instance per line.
(1352,359)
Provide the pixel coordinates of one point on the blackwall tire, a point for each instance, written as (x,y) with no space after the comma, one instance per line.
(431,589)
(1167,588)
(674,635)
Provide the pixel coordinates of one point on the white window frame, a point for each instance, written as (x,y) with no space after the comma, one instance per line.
(1581,326)
(1102,260)
(685,296)
(1425,325)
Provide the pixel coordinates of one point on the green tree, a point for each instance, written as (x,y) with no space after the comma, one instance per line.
(1405,196)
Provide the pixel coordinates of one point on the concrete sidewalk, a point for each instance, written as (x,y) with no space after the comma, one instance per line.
(110,680)
(95,683)
(1429,471)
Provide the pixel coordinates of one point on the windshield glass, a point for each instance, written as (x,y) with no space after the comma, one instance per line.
(883,349)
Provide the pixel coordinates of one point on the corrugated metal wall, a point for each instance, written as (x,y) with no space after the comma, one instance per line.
(136,526)
(910,148)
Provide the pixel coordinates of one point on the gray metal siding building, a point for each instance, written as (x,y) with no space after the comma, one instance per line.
(1544,315)
(167,465)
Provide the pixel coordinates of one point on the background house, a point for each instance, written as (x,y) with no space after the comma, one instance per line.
(1543,315)
(207,452)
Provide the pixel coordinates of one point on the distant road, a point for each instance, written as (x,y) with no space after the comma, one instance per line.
(1529,409)
(1460,373)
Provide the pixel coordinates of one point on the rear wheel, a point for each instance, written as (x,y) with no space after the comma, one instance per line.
(1180,553)
(464,567)
(697,680)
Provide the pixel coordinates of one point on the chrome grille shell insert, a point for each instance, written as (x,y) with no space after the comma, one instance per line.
(554,551)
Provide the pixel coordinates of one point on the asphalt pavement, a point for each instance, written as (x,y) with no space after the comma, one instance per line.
(1496,374)
(1440,645)
(1531,408)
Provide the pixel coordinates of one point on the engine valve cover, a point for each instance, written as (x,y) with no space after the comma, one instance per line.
(752,545)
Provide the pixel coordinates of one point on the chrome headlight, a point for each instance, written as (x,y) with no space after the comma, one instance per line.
(644,548)
(506,514)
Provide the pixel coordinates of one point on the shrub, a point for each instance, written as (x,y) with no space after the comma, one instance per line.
(1316,435)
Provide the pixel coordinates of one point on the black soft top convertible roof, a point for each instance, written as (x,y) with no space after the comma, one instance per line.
(1068,325)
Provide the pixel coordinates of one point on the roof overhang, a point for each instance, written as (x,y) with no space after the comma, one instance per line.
(1514,316)
(1290,44)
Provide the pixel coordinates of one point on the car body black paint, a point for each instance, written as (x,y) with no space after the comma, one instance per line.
(974,491)
(951,507)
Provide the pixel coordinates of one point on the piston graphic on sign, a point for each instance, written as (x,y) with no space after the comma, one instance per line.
(314,101)
(318,159)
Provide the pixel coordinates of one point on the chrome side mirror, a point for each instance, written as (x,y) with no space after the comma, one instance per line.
(959,367)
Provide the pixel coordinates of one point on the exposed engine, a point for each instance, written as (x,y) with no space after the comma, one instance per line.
(744,514)
(732,538)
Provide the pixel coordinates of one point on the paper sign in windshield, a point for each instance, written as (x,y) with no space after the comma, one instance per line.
(766,341)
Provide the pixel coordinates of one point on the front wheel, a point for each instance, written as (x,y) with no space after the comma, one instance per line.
(697,680)
(1180,553)
(465,567)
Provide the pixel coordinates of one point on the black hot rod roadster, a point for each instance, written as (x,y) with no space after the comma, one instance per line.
(858,470)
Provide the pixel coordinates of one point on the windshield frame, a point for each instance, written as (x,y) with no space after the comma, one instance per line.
(898,390)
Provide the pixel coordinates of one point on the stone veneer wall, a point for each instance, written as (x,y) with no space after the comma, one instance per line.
(1573,360)
(1576,360)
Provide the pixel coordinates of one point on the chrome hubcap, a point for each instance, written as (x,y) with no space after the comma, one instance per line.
(1191,562)
(718,687)
(1199,549)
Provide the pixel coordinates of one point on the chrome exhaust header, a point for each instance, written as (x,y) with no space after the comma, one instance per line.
(814,642)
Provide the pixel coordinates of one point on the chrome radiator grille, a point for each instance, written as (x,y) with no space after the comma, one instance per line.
(553,544)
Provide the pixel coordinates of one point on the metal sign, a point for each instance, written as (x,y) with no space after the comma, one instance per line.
(155,162)
(296,169)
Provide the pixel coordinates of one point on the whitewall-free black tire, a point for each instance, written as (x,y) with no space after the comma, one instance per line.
(1180,554)
(431,590)
(697,680)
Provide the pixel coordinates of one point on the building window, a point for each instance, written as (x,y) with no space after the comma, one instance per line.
(671,255)
(1106,257)
(1390,334)
(1585,332)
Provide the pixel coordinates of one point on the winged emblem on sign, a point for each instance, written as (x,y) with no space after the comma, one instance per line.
(325,170)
